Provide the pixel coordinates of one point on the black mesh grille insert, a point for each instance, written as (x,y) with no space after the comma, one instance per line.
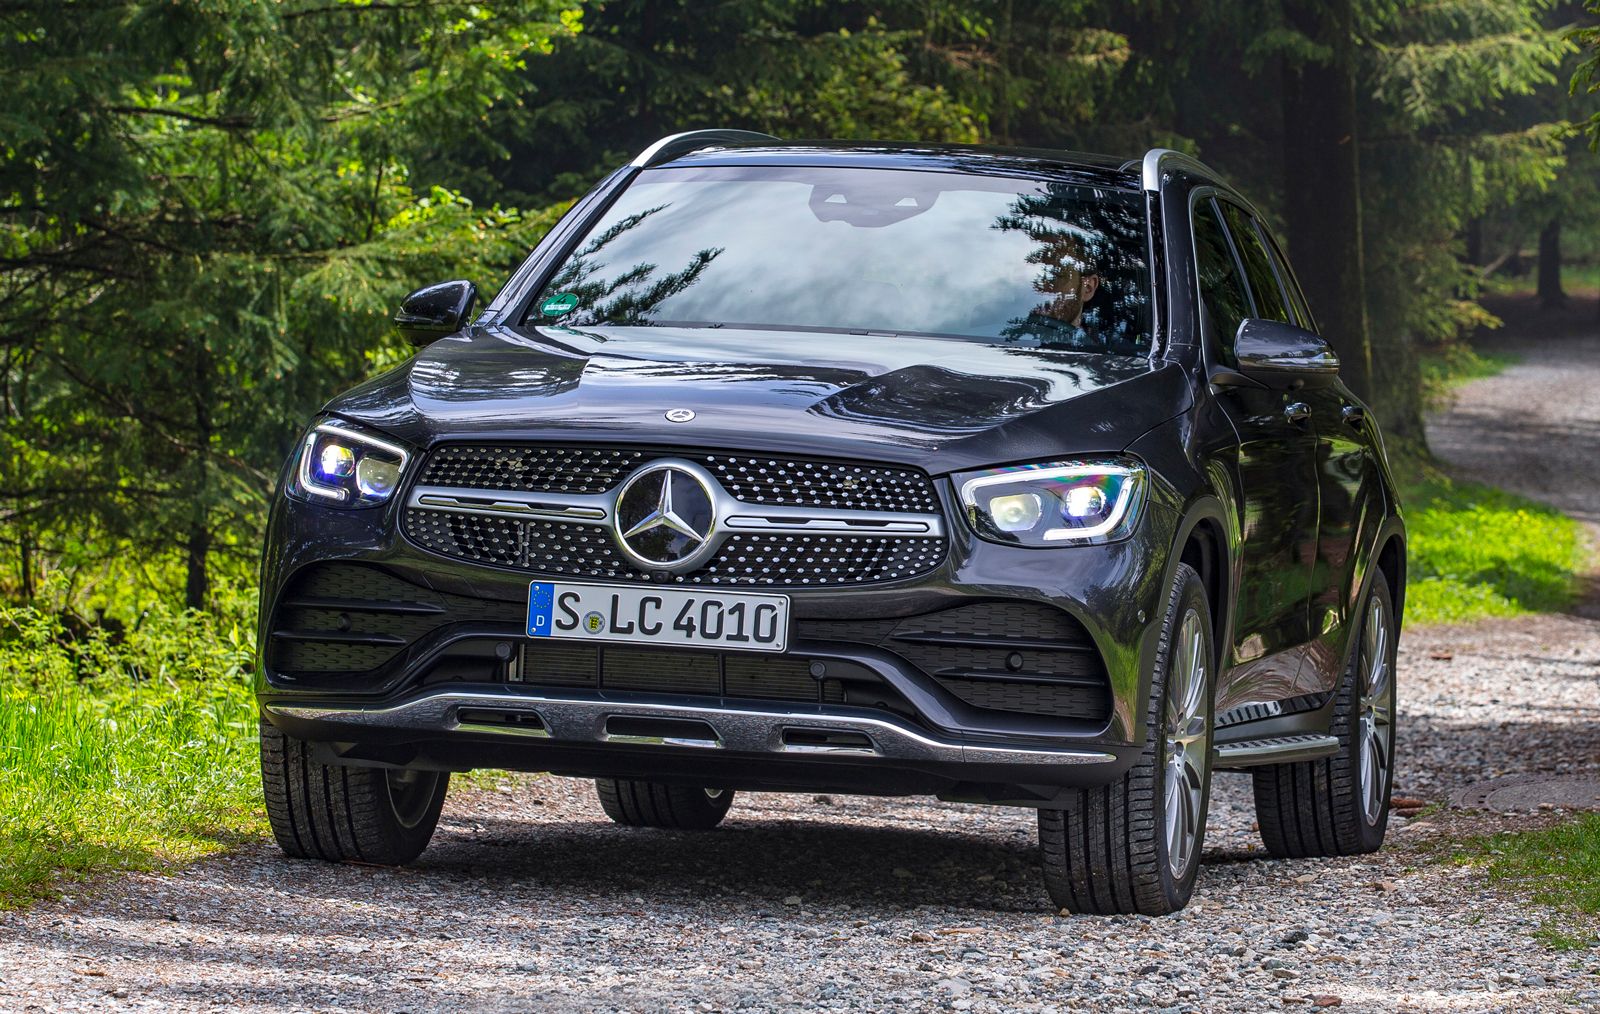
(1005,656)
(335,618)
(696,673)
(775,479)
(563,549)
(1088,703)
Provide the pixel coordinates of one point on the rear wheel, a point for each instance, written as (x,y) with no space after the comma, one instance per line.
(336,813)
(1339,805)
(636,803)
(1134,846)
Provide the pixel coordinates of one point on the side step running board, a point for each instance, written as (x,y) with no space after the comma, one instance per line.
(1249,753)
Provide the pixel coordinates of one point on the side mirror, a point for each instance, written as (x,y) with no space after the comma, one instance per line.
(1274,354)
(436,311)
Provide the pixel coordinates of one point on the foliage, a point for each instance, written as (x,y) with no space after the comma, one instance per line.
(122,754)
(1448,366)
(206,208)
(1476,551)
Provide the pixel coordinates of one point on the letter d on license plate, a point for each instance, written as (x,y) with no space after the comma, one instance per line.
(665,616)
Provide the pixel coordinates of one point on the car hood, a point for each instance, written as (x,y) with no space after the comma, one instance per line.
(939,404)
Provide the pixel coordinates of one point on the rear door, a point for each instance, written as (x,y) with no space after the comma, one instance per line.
(1276,472)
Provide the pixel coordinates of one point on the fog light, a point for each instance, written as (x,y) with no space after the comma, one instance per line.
(1018,512)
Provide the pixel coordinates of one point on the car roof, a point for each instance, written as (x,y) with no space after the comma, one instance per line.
(1035,163)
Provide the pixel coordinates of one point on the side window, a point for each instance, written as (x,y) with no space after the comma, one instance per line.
(1257,265)
(1223,297)
(1297,299)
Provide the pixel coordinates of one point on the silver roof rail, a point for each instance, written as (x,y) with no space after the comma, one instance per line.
(1157,159)
(673,145)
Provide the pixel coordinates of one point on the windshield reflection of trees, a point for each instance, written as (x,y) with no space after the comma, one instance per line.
(1067,221)
(632,296)
(1074,237)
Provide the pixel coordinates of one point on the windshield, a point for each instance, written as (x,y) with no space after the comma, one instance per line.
(870,251)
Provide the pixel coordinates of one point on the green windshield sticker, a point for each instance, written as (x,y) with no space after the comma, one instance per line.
(559,304)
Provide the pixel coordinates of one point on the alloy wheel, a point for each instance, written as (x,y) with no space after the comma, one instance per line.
(1376,721)
(1187,739)
(411,794)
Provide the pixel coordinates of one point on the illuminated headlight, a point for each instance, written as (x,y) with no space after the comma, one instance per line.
(342,466)
(1042,505)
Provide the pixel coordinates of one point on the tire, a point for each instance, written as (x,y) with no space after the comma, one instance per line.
(635,803)
(346,814)
(1328,806)
(1110,851)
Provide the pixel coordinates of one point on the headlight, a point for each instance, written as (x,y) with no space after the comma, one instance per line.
(1042,505)
(342,466)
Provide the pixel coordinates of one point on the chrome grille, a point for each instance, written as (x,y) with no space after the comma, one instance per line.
(549,511)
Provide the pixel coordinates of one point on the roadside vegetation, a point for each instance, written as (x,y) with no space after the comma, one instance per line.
(1476,551)
(1557,867)
(132,750)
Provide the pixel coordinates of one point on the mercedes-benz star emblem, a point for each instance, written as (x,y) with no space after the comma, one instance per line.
(665,516)
(680,414)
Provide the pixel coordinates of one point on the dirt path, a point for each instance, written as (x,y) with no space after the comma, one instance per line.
(530,900)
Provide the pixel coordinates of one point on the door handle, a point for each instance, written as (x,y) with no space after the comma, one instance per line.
(1354,415)
(1297,411)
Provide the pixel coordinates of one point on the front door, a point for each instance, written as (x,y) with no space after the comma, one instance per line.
(1276,472)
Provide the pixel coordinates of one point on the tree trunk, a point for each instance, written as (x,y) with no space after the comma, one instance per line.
(1323,185)
(197,586)
(1550,295)
(1475,242)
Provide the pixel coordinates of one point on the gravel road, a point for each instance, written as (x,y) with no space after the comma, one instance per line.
(530,900)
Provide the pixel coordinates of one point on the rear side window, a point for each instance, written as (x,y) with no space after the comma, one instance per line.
(1257,265)
(1222,293)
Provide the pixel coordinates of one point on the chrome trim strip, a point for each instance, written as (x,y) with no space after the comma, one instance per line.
(593,510)
(740,730)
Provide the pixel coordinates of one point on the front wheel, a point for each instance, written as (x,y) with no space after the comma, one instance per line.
(326,811)
(1134,846)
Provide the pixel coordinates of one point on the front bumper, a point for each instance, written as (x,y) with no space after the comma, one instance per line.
(922,738)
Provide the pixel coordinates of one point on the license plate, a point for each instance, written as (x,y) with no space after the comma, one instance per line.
(667,616)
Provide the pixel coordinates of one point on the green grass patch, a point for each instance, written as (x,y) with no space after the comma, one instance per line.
(1558,867)
(1476,551)
(130,755)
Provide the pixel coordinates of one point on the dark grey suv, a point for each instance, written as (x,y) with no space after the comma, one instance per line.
(1011,477)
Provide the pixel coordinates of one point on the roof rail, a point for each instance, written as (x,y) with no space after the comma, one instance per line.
(673,145)
(1157,159)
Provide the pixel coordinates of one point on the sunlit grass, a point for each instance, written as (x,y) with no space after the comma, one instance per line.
(1476,551)
(130,756)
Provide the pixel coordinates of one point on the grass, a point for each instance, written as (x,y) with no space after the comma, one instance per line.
(1558,867)
(135,755)
(1476,551)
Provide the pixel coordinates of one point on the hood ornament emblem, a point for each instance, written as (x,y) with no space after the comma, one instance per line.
(680,414)
(665,516)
